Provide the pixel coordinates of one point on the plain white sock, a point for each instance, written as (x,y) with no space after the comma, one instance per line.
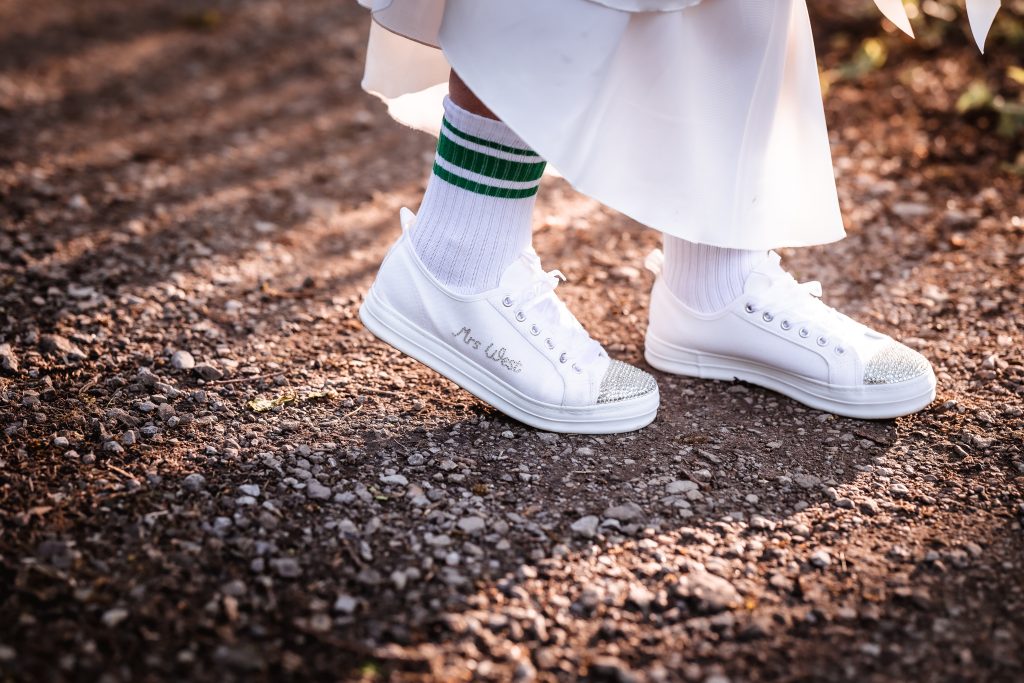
(706,278)
(476,215)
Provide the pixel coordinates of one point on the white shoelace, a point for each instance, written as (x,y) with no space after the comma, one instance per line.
(798,307)
(550,319)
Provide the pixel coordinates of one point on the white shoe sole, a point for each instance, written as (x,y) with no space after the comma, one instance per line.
(867,402)
(391,327)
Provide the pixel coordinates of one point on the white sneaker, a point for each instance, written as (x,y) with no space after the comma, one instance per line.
(516,347)
(779,335)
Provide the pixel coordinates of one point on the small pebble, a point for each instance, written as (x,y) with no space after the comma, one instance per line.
(208,372)
(286,567)
(585,527)
(472,524)
(821,559)
(113,617)
(317,491)
(183,360)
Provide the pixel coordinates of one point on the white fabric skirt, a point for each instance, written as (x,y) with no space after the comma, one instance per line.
(703,120)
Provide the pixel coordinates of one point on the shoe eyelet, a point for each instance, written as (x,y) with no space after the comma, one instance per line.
(822,341)
(520,316)
(550,344)
(785,325)
(840,350)
(563,358)
(507,302)
(767,317)
(749,308)
(534,330)
(804,332)
(577,368)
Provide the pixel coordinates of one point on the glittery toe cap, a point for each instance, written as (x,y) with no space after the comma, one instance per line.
(622,382)
(895,363)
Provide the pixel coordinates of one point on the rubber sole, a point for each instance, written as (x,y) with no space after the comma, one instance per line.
(866,402)
(394,329)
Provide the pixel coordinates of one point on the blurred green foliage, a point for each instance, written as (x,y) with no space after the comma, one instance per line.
(937,24)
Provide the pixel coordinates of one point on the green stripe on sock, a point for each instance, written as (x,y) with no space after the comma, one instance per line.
(480,188)
(487,165)
(486,143)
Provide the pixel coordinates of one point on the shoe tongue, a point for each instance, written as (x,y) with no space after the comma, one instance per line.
(762,277)
(521,272)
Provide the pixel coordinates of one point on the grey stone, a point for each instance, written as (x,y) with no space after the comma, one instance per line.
(345,604)
(208,371)
(869,507)
(146,378)
(807,481)
(61,442)
(286,567)
(165,411)
(395,480)
(585,527)
(821,558)
(250,490)
(8,361)
(625,512)
(707,593)
(438,541)
(317,491)
(183,360)
(472,524)
(681,486)
(113,617)
(56,345)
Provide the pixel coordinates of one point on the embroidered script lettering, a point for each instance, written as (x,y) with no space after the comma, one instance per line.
(497,354)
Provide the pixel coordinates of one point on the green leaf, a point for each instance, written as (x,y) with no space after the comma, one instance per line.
(977,96)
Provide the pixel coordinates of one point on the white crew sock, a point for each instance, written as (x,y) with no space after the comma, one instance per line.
(476,215)
(706,278)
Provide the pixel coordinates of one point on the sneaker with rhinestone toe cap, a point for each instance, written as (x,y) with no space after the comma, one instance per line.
(516,347)
(778,334)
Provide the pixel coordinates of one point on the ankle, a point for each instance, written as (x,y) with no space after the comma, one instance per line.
(704,277)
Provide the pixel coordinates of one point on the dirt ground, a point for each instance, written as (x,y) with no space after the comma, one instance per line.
(187,182)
